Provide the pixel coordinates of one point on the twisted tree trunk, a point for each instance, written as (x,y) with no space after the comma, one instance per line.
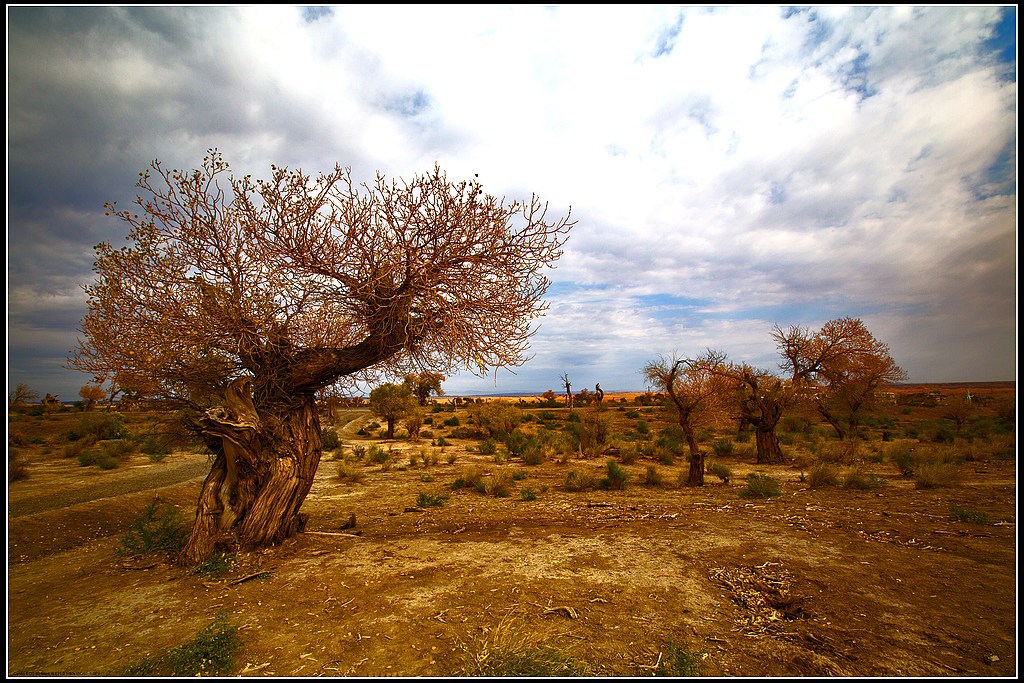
(262,473)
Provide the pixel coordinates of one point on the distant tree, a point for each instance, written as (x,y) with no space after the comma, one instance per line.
(695,389)
(424,384)
(548,398)
(22,394)
(391,403)
(240,299)
(843,365)
(568,390)
(598,394)
(836,369)
(92,394)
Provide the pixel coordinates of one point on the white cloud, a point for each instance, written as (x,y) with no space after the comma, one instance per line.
(754,161)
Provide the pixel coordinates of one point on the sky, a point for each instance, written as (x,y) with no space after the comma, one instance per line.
(730,167)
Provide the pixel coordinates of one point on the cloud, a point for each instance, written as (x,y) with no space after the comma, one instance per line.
(730,167)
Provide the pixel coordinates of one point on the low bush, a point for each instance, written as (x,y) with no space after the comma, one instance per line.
(330,439)
(500,484)
(430,500)
(652,477)
(617,477)
(158,528)
(971,516)
(721,471)
(857,478)
(471,478)
(350,474)
(678,661)
(577,480)
(935,474)
(822,474)
(761,486)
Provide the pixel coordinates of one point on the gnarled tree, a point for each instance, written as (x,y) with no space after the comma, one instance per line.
(837,369)
(846,366)
(696,390)
(241,299)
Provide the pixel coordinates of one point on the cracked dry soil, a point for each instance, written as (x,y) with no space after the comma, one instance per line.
(815,582)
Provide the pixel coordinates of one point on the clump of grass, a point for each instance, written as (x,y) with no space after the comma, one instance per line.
(722,447)
(16,470)
(513,650)
(158,528)
(678,661)
(971,516)
(528,494)
(822,474)
(217,565)
(500,485)
(721,471)
(471,478)
(577,480)
(430,500)
(857,478)
(761,486)
(211,652)
(330,440)
(350,474)
(930,475)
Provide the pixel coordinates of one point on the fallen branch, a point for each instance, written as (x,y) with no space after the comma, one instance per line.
(257,575)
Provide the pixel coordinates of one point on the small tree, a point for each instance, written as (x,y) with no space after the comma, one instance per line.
(22,394)
(391,403)
(92,394)
(695,389)
(424,384)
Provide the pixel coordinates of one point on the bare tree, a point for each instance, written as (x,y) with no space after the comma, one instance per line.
(241,299)
(568,389)
(696,390)
(22,394)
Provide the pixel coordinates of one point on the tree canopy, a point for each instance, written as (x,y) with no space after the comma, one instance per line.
(303,281)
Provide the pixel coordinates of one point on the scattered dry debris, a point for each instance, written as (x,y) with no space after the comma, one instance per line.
(762,594)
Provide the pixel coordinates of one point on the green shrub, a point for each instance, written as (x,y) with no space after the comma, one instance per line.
(761,486)
(118,449)
(528,494)
(857,478)
(330,439)
(722,447)
(350,474)
(377,455)
(642,427)
(159,528)
(487,447)
(499,485)
(652,477)
(210,652)
(99,426)
(721,471)
(430,500)
(452,421)
(156,449)
(471,478)
(16,470)
(617,477)
(632,415)
(218,565)
(678,662)
(972,516)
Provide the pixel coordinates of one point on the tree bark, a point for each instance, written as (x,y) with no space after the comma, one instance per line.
(262,473)
(768,450)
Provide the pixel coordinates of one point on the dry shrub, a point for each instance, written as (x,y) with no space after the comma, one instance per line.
(822,474)
(935,474)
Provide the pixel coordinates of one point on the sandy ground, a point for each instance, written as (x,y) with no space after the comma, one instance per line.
(815,582)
